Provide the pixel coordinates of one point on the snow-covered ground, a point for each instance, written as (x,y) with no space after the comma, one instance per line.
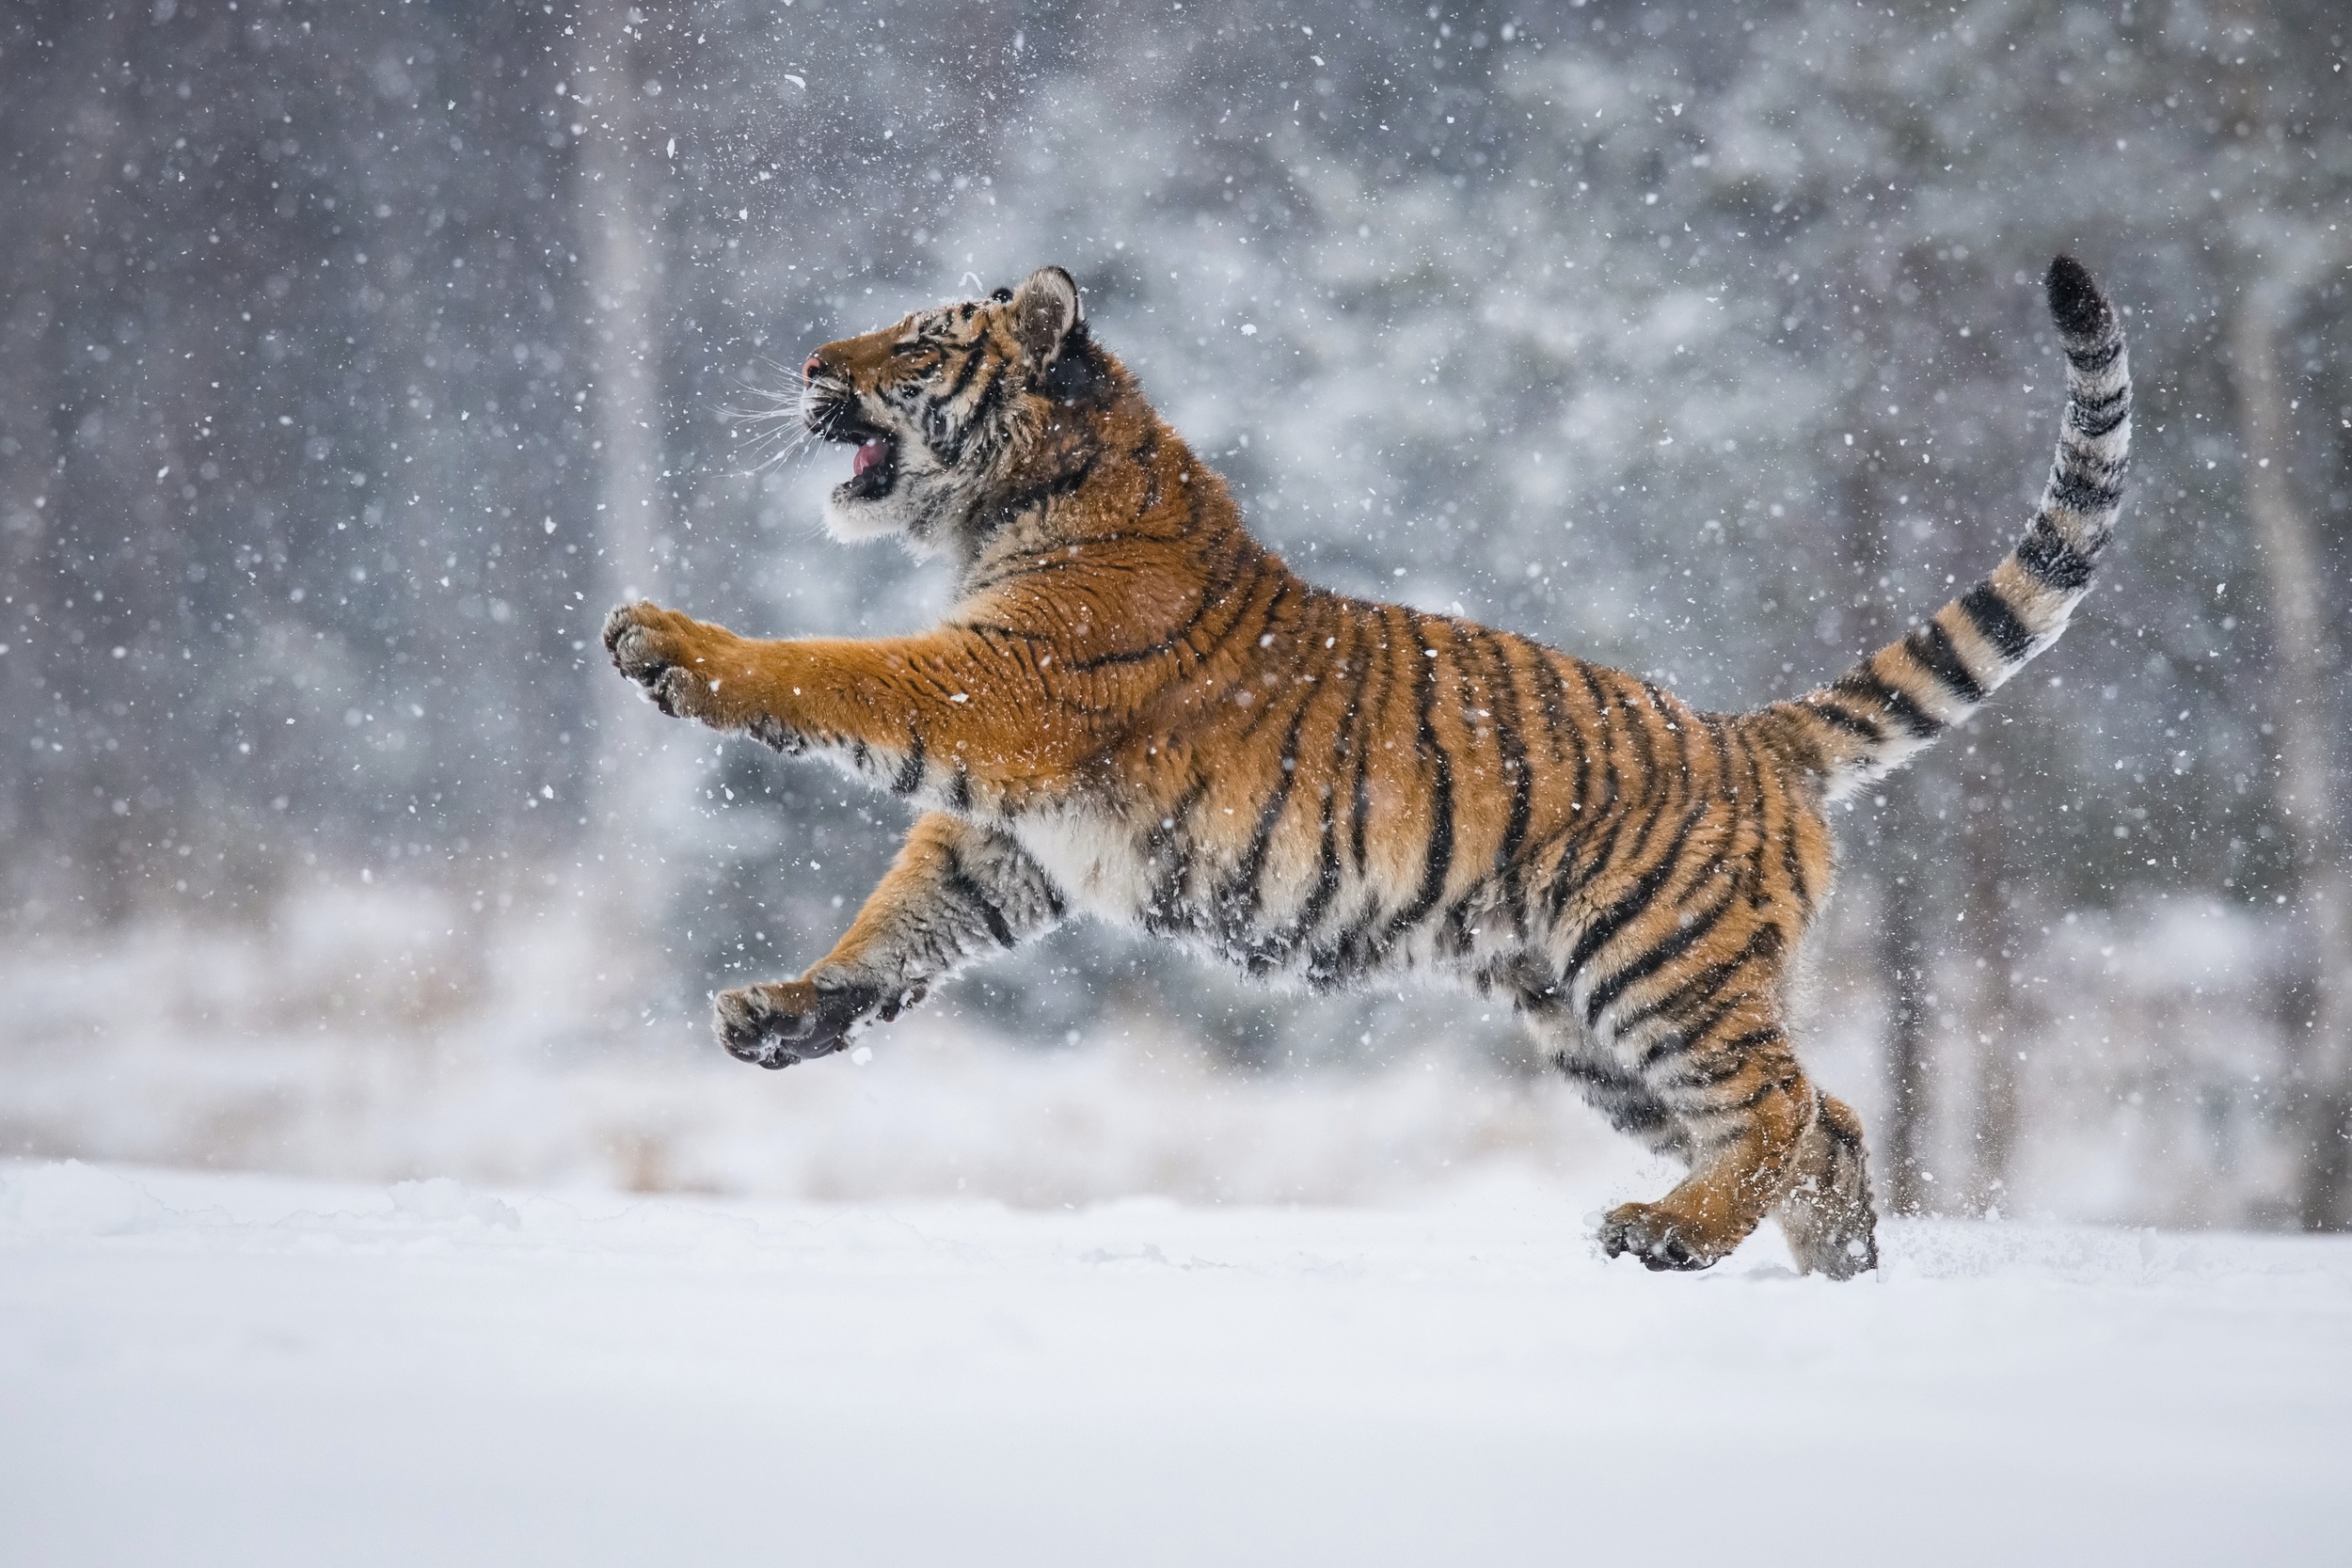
(245,1370)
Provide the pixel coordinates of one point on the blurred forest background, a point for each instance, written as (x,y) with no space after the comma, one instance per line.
(355,358)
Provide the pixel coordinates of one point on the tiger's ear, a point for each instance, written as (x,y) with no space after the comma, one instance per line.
(1045,311)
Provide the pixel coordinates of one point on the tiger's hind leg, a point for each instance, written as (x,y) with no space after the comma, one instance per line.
(1827,1217)
(1746,1117)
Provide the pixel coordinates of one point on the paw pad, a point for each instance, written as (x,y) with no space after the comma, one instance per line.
(774,1026)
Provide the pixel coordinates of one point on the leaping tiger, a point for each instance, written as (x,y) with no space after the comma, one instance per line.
(1134,710)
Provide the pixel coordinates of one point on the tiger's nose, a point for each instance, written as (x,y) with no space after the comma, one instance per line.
(816,363)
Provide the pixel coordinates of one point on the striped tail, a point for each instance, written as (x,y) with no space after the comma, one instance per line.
(1872,719)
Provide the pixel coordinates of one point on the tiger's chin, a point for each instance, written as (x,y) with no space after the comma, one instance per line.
(925,509)
(852,518)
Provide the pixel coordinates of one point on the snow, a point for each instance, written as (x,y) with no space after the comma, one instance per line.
(250,1369)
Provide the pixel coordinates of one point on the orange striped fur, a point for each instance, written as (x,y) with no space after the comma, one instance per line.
(1135,711)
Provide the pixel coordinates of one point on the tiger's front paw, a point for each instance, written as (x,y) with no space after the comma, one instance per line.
(793,1021)
(658,649)
(1655,1236)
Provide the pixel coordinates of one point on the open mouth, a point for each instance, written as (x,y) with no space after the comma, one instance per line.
(875,468)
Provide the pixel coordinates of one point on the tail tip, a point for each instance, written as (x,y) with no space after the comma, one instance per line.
(2076,305)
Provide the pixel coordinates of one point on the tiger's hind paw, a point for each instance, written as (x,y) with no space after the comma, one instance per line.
(776,1025)
(1653,1235)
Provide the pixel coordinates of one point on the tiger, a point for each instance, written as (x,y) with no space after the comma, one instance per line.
(1134,710)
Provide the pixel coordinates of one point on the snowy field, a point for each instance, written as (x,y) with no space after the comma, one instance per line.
(199,1368)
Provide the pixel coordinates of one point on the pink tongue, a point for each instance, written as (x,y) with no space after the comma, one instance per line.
(870,454)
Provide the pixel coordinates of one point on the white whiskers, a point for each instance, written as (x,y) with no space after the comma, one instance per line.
(771,428)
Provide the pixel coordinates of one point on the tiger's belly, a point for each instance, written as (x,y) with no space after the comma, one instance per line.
(1096,857)
(1322,928)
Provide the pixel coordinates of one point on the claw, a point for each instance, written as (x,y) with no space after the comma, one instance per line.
(1651,1235)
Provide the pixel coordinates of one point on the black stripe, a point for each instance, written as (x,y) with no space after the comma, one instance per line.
(1720,1067)
(1580,804)
(1660,954)
(1706,985)
(1757,1096)
(1548,694)
(1164,908)
(1759,894)
(1866,683)
(2096,423)
(998,513)
(1845,719)
(1502,706)
(1326,886)
(1608,741)
(1438,858)
(1996,622)
(1793,862)
(2081,404)
(1516,761)
(910,774)
(2050,561)
(964,378)
(1932,646)
(1732,751)
(1146,456)
(983,406)
(1718,739)
(1566,883)
(959,790)
(1359,801)
(1629,904)
(1055,554)
(1210,592)
(2091,362)
(1246,895)
(961,883)
(1685,1036)
(1646,750)
(2079,492)
(1683,770)
(1262,701)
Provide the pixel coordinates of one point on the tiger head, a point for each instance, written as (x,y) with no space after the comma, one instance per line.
(948,409)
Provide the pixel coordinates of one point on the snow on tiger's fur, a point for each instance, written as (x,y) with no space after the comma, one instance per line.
(1132,710)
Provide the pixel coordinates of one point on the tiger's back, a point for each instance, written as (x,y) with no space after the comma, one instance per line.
(1135,711)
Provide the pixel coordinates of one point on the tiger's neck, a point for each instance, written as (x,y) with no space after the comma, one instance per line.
(1107,484)
(1123,554)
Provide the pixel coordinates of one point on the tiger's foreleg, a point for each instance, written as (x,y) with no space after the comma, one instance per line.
(953,700)
(955,892)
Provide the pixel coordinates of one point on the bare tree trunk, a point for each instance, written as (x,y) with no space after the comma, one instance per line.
(1994,1005)
(641,772)
(50,239)
(2307,719)
(1902,953)
(1901,887)
(619,219)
